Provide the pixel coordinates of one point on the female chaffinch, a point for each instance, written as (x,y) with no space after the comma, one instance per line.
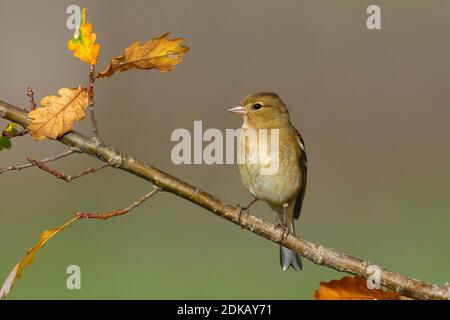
(284,189)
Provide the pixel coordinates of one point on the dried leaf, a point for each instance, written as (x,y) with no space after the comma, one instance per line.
(161,53)
(16,272)
(352,288)
(83,43)
(57,114)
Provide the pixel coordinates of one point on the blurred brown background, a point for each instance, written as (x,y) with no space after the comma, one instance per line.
(373,107)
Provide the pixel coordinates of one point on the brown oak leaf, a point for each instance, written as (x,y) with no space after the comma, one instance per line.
(57,114)
(352,288)
(161,53)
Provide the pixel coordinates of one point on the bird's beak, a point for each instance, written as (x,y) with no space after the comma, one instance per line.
(237,110)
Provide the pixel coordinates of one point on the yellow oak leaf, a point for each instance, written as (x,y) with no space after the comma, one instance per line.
(83,43)
(352,288)
(161,53)
(16,272)
(57,114)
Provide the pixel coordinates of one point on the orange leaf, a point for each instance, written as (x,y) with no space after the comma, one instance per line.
(57,114)
(352,288)
(161,53)
(83,43)
(16,272)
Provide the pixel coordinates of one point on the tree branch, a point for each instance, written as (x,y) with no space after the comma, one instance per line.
(67,178)
(49,159)
(118,212)
(15,134)
(316,253)
(30,95)
(91,75)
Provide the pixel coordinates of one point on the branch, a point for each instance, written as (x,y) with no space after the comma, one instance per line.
(49,159)
(30,95)
(63,176)
(91,75)
(119,212)
(316,253)
(15,133)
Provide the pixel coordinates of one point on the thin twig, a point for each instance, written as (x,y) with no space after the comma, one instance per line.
(30,94)
(119,212)
(14,134)
(49,159)
(316,253)
(96,137)
(63,176)
(24,131)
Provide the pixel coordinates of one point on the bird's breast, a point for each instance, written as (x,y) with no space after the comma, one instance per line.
(269,168)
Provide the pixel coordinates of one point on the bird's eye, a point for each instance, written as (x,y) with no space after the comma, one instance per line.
(257,106)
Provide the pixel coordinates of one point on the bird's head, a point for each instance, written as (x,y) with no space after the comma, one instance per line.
(263,110)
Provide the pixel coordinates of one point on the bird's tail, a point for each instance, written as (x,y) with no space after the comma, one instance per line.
(290,258)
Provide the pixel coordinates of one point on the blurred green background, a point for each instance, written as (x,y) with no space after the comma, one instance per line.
(373,107)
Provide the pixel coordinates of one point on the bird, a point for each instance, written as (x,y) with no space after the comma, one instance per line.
(283,190)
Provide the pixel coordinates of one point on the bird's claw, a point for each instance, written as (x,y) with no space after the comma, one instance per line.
(284,227)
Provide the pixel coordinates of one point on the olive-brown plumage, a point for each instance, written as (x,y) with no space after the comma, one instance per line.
(282,189)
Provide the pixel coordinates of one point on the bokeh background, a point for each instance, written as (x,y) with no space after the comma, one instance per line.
(373,107)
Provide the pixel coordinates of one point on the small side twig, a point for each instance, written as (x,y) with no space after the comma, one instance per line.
(30,94)
(119,212)
(49,159)
(97,137)
(24,131)
(63,176)
(15,133)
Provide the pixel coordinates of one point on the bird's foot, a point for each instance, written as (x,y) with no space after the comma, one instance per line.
(242,211)
(285,228)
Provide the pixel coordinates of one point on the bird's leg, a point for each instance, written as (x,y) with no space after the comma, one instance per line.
(284,225)
(246,208)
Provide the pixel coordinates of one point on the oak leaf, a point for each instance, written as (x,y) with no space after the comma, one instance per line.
(161,53)
(352,288)
(83,42)
(16,272)
(57,114)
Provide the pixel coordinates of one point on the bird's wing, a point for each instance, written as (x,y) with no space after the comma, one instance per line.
(303,169)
